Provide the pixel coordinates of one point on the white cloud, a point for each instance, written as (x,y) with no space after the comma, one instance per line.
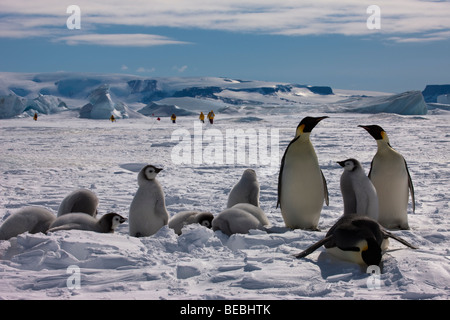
(180,69)
(124,67)
(401,19)
(145,70)
(126,40)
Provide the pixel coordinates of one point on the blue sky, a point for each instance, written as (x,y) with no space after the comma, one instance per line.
(322,42)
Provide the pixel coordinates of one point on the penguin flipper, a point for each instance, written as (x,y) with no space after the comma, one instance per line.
(68,226)
(313,247)
(401,240)
(325,189)
(411,188)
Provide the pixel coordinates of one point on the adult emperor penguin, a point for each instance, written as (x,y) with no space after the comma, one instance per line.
(30,219)
(301,185)
(390,175)
(148,211)
(240,218)
(356,239)
(183,218)
(81,221)
(358,192)
(246,190)
(81,200)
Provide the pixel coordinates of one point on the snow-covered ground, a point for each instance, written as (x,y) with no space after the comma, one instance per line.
(43,161)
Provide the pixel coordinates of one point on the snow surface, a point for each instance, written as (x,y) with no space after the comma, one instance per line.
(43,161)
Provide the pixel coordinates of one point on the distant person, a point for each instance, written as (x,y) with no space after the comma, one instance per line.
(202,117)
(173,118)
(112,118)
(211,116)
(35,116)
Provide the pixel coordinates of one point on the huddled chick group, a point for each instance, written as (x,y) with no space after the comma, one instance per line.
(371,203)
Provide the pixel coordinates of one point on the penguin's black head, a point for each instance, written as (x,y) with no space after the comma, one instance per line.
(205,219)
(371,255)
(375,131)
(308,123)
(151,171)
(111,221)
(349,164)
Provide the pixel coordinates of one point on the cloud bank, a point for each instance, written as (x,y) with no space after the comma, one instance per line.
(402,20)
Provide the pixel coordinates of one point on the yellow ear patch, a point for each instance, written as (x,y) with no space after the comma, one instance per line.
(365,248)
(383,135)
(300,129)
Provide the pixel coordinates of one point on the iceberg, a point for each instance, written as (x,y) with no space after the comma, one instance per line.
(101,105)
(163,110)
(406,103)
(13,105)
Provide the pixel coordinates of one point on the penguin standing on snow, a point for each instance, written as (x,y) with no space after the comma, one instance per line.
(357,239)
(301,185)
(358,192)
(148,211)
(390,175)
(246,190)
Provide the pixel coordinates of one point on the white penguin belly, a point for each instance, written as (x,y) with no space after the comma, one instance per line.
(302,193)
(147,216)
(391,184)
(350,256)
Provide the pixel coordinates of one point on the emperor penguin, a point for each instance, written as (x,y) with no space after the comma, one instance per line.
(302,187)
(30,219)
(81,221)
(390,175)
(358,192)
(240,218)
(81,200)
(246,190)
(179,220)
(357,239)
(148,211)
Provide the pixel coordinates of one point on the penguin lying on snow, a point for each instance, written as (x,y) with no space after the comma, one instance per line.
(246,190)
(302,188)
(81,200)
(390,175)
(30,219)
(81,221)
(356,239)
(240,218)
(179,220)
(358,192)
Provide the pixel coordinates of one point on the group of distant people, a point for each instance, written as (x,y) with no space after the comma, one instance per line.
(210,117)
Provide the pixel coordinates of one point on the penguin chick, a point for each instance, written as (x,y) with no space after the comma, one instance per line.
(30,219)
(81,200)
(148,211)
(246,190)
(81,221)
(358,192)
(302,188)
(357,239)
(179,220)
(390,176)
(240,218)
